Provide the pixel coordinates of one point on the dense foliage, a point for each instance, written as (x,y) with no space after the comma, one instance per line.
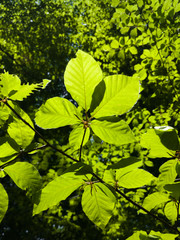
(125,179)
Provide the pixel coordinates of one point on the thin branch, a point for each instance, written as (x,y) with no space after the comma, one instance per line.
(139,206)
(39,134)
(80,151)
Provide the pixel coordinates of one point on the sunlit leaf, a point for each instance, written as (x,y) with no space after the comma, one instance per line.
(170,211)
(61,187)
(25,176)
(155,199)
(135,178)
(81,76)
(19,131)
(98,203)
(3,202)
(76,136)
(121,93)
(117,133)
(56,112)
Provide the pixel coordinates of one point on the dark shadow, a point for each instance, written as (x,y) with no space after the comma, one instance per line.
(98,95)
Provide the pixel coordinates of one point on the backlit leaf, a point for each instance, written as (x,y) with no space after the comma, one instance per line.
(76,136)
(61,187)
(3,202)
(117,133)
(135,178)
(121,93)
(25,176)
(56,112)
(98,204)
(81,76)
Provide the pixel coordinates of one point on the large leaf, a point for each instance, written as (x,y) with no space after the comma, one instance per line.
(76,136)
(19,131)
(3,202)
(152,141)
(98,203)
(81,76)
(56,112)
(61,187)
(155,199)
(121,93)
(25,176)
(117,133)
(135,178)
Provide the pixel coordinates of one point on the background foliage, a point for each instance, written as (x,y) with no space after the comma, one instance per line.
(135,38)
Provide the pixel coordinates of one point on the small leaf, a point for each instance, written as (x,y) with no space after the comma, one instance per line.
(135,178)
(170,211)
(25,176)
(19,131)
(3,202)
(121,93)
(76,136)
(117,133)
(81,76)
(98,204)
(7,147)
(167,172)
(56,112)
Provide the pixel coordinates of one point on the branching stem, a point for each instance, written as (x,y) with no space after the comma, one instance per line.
(39,134)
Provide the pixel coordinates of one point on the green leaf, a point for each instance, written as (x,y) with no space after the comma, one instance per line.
(164,236)
(139,235)
(81,76)
(25,176)
(76,136)
(117,133)
(114,44)
(130,163)
(121,93)
(56,112)
(4,113)
(168,137)
(135,178)
(3,202)
(19,131)
(152,141)
(10,84)
(61,187)
(133,50)
(12,88)
(98,203)
(174,190)
(7,147)
(167,173)
(155,199)
(170,211)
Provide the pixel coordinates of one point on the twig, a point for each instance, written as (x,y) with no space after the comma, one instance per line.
(139,206)
(39,134)
(80,151)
